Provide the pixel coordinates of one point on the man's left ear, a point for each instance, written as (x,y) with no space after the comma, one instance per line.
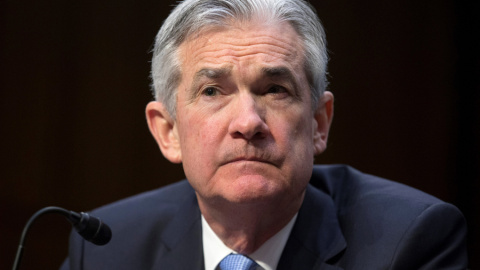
(322,120)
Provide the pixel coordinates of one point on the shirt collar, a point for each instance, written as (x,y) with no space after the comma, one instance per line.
(266,256)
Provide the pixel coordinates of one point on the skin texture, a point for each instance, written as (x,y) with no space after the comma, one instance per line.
(245,130)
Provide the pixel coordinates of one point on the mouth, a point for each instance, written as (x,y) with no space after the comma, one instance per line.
(249,159)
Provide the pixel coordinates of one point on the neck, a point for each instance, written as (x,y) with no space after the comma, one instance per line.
(244,227)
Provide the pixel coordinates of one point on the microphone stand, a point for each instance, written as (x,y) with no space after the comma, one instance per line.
(90,228)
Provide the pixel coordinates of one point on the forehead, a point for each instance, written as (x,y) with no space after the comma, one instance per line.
(243,45)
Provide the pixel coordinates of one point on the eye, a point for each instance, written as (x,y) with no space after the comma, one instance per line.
(210,91)
(277,89)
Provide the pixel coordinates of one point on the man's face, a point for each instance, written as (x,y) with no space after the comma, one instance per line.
(245,126)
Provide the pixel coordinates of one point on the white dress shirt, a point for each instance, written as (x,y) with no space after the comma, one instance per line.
(267,256)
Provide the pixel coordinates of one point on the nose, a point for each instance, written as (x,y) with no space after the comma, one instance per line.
(248,119)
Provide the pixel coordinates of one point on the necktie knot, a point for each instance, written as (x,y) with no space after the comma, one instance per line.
(237,262)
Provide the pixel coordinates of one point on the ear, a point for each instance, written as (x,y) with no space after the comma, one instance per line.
(164,130)
(322,120)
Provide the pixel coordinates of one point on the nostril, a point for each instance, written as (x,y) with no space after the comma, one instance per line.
(249,135)
(237,135)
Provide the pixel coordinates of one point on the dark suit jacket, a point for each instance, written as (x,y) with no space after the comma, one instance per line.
(349,220)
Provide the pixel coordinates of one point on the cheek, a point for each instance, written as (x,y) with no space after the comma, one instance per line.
(302,157)
(294,131)
(294,139)
(200,137)
(297,144)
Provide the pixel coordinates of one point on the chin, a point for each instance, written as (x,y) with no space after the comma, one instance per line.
(254,188)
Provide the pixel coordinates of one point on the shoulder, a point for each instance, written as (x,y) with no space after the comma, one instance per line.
(356,194)
(156,204)
(143,227)
(390,223)
(351,188)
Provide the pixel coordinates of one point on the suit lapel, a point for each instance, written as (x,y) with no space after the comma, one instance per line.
(316,239)
(182,239)
(314,243)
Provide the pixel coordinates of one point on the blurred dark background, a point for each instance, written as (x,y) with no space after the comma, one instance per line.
(74,84)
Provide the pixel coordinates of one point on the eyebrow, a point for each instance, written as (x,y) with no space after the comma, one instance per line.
(282,73)
(209,73)
(277,72)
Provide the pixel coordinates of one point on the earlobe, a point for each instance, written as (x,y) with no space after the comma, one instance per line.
(322,120)
(164,130)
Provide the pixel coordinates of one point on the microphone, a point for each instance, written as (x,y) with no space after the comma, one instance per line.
(90,228)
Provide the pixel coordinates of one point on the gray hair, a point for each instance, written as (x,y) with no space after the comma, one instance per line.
(192,16)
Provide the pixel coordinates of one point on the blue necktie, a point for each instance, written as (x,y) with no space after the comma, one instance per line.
(237,262)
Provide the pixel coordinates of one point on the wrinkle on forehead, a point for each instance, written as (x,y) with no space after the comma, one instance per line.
(272,42)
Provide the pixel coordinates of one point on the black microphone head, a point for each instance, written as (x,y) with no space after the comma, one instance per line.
(93,229)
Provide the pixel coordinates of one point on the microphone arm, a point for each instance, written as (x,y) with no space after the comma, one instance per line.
(90,228)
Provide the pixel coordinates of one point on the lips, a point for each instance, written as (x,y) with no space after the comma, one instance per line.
(251,159)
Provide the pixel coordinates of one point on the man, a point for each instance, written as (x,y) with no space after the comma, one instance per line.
(241,103)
